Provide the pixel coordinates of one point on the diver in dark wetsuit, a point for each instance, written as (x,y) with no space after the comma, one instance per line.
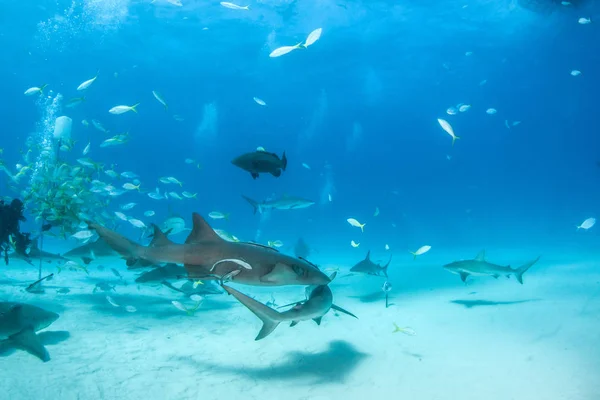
(11,216)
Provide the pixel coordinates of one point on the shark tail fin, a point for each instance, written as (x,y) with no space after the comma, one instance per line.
(284,161)
(340,309)
(253,203)
(523,268)
(269,317)
(128,249)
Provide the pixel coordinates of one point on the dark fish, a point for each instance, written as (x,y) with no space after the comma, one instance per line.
(301,249)
(169,271)
(368,267)
(261,162)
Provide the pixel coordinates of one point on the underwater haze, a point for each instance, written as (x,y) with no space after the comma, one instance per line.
(419,178)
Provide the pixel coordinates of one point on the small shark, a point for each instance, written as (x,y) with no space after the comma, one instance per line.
(368,267)
(19,324)
(91,251)
(159,274)
(480,267)
(35,254)
(259,162)
(283,203)
(205,255)
(318,303)
(189,290)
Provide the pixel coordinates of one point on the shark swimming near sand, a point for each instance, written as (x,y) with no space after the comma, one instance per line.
(480,267)
(205,255)
(19,324)
(92,251)
(319,302)
(368,267)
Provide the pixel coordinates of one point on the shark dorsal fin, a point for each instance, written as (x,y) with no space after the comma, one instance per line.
(480,256)
(159,238)
(201,231)
(368,257)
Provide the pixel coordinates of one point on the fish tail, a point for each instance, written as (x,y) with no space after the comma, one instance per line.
(42,88)
(269,317)
(134,107)
(454,139)
(522,269)
(362,227)
(414,255)
(128,249)
(284,161)
(385,268)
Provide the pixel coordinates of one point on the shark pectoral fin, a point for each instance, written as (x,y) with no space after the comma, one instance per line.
(340,309)
(496,276)
(87,260)
(294,323)
(254,175)
(276,173)
(27,340)
(279,273)
(318,320)
(464,276)
(269,317)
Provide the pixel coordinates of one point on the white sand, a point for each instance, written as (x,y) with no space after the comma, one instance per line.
(546,348)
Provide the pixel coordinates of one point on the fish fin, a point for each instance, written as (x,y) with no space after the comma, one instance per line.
(30,342)
(464,276)
(294,323)
(87,260)
(276,173)
(253,203)
(159,238)
(201,231)
(340,309)
(128,249)
(523,268)
(134,109)
(318,320)
(269,317)
(414,255)
(496,276)
(283,162)
(368,257)
(254,175)
(480,256)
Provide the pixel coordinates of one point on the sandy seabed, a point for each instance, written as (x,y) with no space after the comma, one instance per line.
(487,340)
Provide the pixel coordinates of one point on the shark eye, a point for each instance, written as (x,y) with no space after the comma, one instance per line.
(298,270)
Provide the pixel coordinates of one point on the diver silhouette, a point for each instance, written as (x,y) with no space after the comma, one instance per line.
(11,216)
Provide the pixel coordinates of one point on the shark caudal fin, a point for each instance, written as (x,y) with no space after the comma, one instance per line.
(523,268)
(270,318)
(254,204)
(283,161)
(128,249)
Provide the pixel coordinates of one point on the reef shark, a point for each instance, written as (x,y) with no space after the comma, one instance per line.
(283,203)
(480,267)
(205,255)
(319,302)
(368,267)
(19,324)
(35,254)
(92,251)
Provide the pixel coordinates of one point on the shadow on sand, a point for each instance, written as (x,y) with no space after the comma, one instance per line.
(483,303)
(371,297)
(331,365)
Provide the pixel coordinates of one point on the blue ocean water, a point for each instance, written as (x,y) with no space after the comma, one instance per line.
(359,107)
